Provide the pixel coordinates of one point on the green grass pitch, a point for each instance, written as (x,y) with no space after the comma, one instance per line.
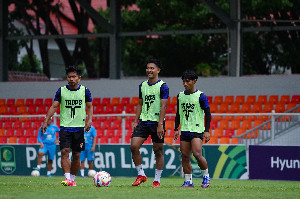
(43,187)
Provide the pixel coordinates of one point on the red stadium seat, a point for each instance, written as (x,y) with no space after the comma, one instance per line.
(29,102)
(3,140)
(22,140)
(229,99)
(48,102)
(125,101)
(105,101)
(39,101)
(10,102)
(240,99)
(96,101)
(32,140)
(218,100)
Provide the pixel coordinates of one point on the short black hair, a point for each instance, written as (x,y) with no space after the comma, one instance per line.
(154,61)
(189,74)
(73,69)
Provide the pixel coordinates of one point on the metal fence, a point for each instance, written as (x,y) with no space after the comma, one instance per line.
(266,131)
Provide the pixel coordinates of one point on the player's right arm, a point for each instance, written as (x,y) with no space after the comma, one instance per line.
(50,113)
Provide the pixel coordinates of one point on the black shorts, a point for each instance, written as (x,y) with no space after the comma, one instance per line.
(144,130)
(188,136)
(73,140)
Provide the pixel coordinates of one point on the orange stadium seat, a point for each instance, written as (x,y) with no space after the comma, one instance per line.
(262,99)
(256,108)
(115,101)
(173,101)
(213,140)
(284,99)
(3,110)
(224,124)
(273,99)
(229,99)
(251,99)
(240,131)
(213,108)
(218,132)
(234,141)
(223,108)
(12,140)
(2,132)
(218,100)
(234,108)
(240,99)
(279,108)
(268,108)
(246,124)
(134,101)
(235,124)
(20,102)
(245,108)
(22,110)
(224,140)
(257,123)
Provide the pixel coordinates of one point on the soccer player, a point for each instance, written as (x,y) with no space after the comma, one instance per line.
(149,121)
(89,152)
(47,142)
(192,106)
(75,102)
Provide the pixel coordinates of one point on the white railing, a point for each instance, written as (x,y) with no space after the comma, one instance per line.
(264,133)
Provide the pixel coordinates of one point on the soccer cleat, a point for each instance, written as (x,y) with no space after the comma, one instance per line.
(36,168)
(206,182)
(68,182)
(187,184)
(139,180)
(156,184)
(49,175)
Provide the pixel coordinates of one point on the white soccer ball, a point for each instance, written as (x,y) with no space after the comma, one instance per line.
(35,173)
(92,173)
(102,179)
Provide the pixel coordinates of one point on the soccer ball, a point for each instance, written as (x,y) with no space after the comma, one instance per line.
(35,173)
(102,179)
(92,173)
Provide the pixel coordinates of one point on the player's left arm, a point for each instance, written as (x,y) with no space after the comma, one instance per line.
(164,95)
(89,112)
(205,106)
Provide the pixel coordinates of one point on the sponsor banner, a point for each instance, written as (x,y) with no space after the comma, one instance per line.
(223,161)
(274,162)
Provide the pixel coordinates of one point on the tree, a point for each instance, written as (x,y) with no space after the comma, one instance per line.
(37,13)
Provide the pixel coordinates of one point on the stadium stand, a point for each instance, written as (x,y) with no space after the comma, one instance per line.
(223,129)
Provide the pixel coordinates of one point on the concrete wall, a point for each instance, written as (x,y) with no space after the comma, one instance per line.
(212,86)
